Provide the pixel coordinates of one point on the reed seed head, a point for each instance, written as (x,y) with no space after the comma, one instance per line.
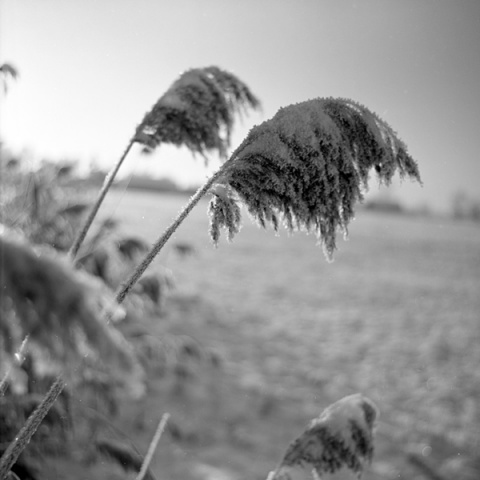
(310,164)
(197,111)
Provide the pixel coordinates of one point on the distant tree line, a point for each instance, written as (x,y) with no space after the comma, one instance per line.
(465,207)
(96,177)
(143,182)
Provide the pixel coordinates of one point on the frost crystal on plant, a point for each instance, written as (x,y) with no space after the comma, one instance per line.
(310,164)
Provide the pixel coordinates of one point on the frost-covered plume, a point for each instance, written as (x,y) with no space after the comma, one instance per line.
(309,165)
(340,439)
(197,111)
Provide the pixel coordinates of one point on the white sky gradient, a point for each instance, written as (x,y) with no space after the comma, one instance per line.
(89,70)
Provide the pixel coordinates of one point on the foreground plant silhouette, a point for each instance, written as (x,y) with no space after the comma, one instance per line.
(197,111)
(307,167)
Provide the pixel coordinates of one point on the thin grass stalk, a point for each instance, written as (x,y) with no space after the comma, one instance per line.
(160,243)
(101,196)
(16,447)
(153,446)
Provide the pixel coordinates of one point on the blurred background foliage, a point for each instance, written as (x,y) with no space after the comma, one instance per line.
(52,315)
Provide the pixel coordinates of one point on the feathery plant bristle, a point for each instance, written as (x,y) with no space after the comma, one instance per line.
(197,111)
(224,212)
(310,165)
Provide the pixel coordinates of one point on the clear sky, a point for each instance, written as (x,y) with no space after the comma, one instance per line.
(89,70)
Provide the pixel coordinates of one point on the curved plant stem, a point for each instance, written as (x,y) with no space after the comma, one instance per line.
(160,243)
(103,192)
(153,446)
(17,446)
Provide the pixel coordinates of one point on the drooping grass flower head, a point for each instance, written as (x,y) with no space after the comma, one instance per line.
(340,438)
(197,111)
(7,70)
(61,309)
(310,164)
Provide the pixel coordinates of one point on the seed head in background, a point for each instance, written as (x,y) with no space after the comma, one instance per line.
(197,111)
(308,166)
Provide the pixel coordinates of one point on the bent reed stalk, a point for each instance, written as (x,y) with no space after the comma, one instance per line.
(101,196)
(160,243)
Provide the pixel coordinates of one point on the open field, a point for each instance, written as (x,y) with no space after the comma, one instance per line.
(396,316)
